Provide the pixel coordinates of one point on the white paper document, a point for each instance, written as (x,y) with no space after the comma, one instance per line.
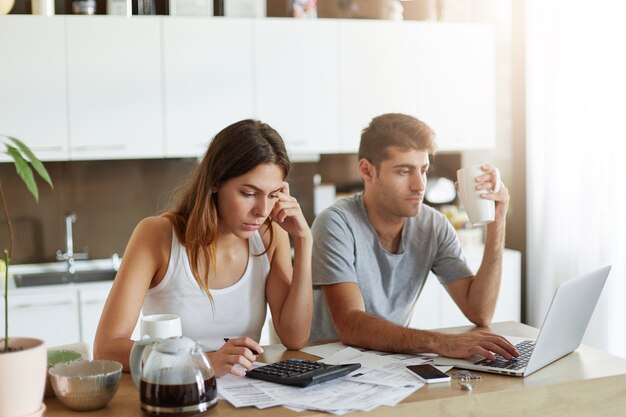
(325,350)
(375,369)
(247,394)
(381,380)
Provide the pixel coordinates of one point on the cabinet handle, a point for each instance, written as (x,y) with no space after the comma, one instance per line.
(52,304)
(99,148)
(91,302)
(46,148)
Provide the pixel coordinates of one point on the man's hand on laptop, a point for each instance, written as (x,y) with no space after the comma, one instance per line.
(479,343)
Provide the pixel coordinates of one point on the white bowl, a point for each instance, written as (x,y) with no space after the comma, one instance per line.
(86,385)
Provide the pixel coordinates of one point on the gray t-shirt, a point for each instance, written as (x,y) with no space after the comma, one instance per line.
(346,249)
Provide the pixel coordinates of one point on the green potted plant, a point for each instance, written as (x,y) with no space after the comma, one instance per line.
(23,361)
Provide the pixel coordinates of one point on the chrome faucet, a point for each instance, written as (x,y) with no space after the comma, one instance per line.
(69,256)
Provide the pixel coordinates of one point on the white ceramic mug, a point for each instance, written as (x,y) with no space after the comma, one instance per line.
(160,326)
(479,210)
(42,7)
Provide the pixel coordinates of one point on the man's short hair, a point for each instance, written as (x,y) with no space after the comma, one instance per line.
(394,129)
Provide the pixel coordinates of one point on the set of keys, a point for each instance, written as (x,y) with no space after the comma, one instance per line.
(465,379)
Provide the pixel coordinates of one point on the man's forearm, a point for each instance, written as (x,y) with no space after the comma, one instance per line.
(365,330)
(483,292)
(368,331)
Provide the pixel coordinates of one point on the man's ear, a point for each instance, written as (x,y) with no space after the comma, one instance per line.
(366,169)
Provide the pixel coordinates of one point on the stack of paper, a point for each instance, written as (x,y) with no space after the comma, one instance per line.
(381,380)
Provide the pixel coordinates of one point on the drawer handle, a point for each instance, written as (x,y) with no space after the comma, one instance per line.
(92,302)
(46,148)
(99,148)
(53,304)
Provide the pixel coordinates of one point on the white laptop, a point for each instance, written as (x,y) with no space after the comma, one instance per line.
(561,332)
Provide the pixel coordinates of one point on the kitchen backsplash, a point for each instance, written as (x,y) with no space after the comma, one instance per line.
(108,197)
(111,197)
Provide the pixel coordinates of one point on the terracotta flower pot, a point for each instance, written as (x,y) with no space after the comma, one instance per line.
(22,377)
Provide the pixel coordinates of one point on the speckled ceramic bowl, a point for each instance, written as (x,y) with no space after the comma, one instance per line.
(86,385)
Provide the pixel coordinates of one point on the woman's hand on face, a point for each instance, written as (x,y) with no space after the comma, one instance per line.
(288,214)
(240,351)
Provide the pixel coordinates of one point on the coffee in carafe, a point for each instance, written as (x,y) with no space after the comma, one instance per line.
(181,399)
(175,379)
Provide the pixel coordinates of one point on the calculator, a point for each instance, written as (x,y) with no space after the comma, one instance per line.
(300,372)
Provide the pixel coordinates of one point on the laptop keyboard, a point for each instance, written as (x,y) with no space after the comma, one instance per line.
(524,348)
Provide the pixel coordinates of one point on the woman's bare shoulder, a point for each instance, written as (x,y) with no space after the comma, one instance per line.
(154,229)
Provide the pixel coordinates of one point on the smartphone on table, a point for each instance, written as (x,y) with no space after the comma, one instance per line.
(428,374)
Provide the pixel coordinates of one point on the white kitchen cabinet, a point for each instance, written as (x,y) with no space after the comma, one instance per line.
(33,98)
(435,308)
(296,82)
(377,74)
(91,298)
(58,314)
(442,73)
(108,87)
(208,80)
(50,315)
(456,84)
(91,302)
(114,87)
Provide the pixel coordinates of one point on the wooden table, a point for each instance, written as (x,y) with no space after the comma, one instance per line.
(587,382)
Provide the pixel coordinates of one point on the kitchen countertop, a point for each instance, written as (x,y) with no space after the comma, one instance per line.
(586,382)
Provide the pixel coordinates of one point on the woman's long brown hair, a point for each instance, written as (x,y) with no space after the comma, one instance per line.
(235,150)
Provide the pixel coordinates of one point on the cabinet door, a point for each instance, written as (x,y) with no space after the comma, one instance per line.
(299,99)
(436,309)
(208,80)
(427,314)
(114,80)
(32,84)
(91,305)
(52,317)
(91,300)
(508,306)
(456,84)
(378,66)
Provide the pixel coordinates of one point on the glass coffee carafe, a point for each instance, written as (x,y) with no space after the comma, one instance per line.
(174,377)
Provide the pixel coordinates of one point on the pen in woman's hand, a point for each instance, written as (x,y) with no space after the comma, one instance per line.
(254,352)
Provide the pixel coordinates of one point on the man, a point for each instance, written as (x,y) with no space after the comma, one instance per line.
(372,252)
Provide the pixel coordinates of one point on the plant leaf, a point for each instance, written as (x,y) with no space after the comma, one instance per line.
(34,161)
(23,170)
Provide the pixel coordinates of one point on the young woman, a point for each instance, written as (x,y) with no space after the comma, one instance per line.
(219,256)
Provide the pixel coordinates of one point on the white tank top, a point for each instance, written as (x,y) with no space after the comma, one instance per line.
(239,309)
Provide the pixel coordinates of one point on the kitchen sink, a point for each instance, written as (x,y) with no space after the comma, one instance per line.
(55,273)
(53,278)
